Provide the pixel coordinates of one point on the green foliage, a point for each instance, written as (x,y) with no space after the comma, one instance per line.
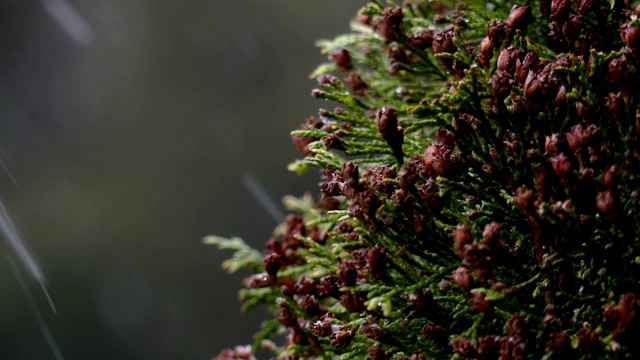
(244,256)
(479,194)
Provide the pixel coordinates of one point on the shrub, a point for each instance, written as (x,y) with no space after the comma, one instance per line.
(479,194)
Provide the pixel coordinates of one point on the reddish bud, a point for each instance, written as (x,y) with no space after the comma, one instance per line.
(610,315)
(342,58)
(480,304)
(560,9)
(387,123)
(507,58)
(445,137)
(388,24)
(341,338)
(376,260)
(364,19)
(260,280)
(486,50)
(238,353)
(488,347)
(619,70)
(330,286)
(297,336)
(516,325)
(350,177)
(512,348)
(561,164)
(464,347)
(496,31)
(347,273)
(353,302)
(584,6)
(523,199)
(309,304)
(430,194)
(376,353)
(333,141)
(627,309)
(519,17)
(304,286)
(491,233)
(589,341)
(585,175)
(532,85)
(550,321)
(443,42)
(321,328)
(463,278)
(611,176)
(436,158)
(372,331)
(561,97)
(614,103)
(272,263)
(439,19)
(302,143)
(286,317)
(524,66)
(552,144)
(579,137)
(571,29)
(435,333)
(606,202)
(408,176)
(583,111)
(630,35)
(586,136)
(327,80)
(461,238)
(499,287)
(560,344)
(357,85)
(501,84)
(422,40)
(369,203)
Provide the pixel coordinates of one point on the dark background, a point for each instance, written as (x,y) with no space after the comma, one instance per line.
(125,140)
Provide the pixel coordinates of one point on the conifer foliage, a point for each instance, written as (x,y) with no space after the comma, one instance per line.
(479,194)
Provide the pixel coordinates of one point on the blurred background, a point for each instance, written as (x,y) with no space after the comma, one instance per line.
(128,131)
